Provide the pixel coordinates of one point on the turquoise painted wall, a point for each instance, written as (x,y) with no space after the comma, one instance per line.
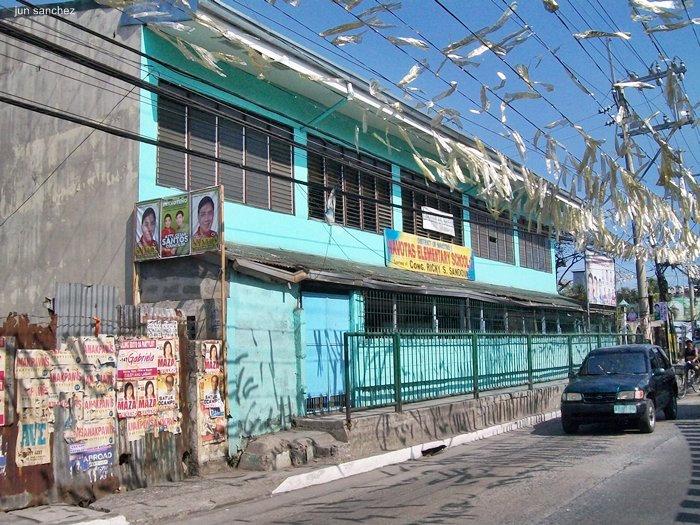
(265,332)
(253,226)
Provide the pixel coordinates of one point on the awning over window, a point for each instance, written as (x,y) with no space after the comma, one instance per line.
(295,267)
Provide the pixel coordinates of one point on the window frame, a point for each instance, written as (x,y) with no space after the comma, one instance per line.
(489,226)
(225,113)
(348,171)
(413,214)
(534,249)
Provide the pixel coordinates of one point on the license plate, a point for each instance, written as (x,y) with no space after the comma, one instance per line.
(625,409)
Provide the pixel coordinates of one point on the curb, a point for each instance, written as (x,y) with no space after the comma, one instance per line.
(361,466)
(114,520)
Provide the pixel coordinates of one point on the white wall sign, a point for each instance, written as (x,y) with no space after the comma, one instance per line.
(438,221)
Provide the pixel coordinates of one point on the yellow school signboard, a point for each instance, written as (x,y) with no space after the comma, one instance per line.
(418,254)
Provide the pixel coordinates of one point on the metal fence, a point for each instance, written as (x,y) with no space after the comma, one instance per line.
(407,312)
(385,369)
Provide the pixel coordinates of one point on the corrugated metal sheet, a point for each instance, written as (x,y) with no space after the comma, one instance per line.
(77,304)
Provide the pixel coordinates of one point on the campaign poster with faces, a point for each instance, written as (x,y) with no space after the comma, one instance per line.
(204,206)
(175,226)
(147,230)
(211,353)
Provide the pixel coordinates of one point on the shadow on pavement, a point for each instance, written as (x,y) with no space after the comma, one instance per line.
(689,424)
(512,459)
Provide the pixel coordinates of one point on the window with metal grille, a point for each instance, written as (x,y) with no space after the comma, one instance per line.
(434,196)
(362,186)
(258,144)
(535,250)
(492,238)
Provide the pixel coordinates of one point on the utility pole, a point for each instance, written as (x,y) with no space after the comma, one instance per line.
(655,74)
(693,324)
(640,263)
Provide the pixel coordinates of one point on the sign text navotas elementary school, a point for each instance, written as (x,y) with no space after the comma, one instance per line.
(418,254)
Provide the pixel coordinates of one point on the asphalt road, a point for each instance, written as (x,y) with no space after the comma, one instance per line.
(535,475)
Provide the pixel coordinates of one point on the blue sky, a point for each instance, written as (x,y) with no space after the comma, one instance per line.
(375,58)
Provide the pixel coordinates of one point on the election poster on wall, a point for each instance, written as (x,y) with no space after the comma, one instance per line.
(5,346)
(148,372)
(211,354)
(600,279)
(205,220)
(33,443)
(147,230)
(212,420)
(175,226)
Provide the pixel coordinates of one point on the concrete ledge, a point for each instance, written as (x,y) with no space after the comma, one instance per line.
(285,449)
(378,431)
(361,466)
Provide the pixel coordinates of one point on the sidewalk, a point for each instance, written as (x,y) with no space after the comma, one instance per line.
(227,487)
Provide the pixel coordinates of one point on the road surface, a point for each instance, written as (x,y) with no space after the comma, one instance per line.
(534,475)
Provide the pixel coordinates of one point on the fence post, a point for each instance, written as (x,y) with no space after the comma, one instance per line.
(530,378)
(397,371)
(570,345)
(346,358)
(599,340)
(475,365)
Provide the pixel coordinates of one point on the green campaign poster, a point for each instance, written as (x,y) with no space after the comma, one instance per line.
(175,226)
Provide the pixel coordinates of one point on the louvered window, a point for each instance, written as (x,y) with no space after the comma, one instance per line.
(362,185)
(261,146)
(434,196)
(492,237)
(535,250)
(172,127)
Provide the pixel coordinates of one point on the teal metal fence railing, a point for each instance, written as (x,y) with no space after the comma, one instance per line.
(385,369)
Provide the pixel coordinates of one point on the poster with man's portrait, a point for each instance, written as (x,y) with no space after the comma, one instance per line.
(147,230)
(204,206)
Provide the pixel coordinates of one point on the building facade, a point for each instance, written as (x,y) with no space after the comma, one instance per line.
(315,186)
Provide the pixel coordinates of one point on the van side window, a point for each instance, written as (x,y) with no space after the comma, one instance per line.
(656,361)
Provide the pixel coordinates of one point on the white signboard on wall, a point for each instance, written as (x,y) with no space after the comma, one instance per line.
(438,221)
(600,279)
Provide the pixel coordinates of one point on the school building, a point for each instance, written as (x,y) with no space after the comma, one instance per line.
(318,186)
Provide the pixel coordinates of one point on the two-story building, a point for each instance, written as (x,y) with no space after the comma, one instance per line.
(320,191)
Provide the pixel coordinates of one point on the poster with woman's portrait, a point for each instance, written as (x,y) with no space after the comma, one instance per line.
(147,230)
(204,206)
(147,400)
(211,353)
(126,399)
(167,356)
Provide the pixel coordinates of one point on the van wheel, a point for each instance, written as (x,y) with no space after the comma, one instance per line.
(648,421)
(569,426)
(671,411)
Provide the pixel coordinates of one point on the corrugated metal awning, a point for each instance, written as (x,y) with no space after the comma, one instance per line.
(296,267)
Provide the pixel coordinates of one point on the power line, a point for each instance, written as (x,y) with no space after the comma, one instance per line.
(44,109)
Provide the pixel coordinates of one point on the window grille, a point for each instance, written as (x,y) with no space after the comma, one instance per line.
(534,248)
(492,238)
(441,198)
(238,139)
(363,199)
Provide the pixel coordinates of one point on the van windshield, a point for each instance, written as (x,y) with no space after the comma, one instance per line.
(615,363)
